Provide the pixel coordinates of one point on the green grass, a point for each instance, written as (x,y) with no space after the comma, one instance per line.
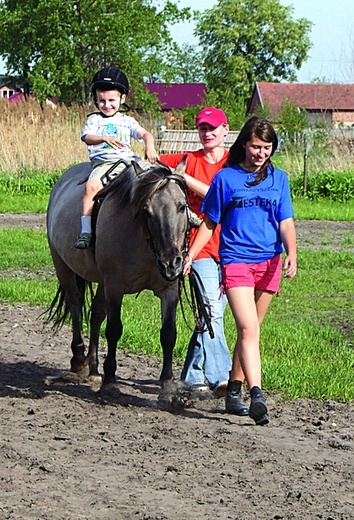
(306,340)
(24,249)
(306,209)
(26,192)
(23,203)
(307,336)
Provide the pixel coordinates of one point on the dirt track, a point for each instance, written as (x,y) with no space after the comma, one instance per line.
(67,454)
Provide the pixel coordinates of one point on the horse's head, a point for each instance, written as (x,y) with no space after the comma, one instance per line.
(164,205)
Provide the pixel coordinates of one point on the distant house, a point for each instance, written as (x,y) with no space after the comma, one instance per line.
(175,96)
(19,96)
(331,103)
(7,88)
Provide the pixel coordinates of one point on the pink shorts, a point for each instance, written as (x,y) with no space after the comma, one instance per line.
(264,276)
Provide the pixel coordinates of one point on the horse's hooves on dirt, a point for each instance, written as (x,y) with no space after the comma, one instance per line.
(67,377)
(95,378)
(83,372)
(174,397)
(109,390)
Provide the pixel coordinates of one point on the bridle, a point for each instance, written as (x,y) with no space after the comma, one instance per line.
(179,180)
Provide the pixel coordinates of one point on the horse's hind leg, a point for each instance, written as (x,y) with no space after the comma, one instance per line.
(74,289)
(98,314)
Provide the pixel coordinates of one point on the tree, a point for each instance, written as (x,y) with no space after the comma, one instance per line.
(292,120)
(57,45)
(245,41)
(185,63)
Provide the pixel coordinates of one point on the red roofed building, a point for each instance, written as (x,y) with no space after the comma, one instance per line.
(175,96)
(332,103)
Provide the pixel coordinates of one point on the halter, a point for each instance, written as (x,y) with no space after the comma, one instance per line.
(179,180)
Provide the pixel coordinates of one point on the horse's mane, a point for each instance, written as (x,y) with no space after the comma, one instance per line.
(132,187)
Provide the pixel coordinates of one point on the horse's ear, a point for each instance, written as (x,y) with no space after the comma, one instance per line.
(138,169)
(180,169)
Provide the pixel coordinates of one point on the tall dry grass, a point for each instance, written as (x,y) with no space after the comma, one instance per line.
(33,138)
(334,153)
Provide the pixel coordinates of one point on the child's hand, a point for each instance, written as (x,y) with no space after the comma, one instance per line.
(113,141)
(151,154)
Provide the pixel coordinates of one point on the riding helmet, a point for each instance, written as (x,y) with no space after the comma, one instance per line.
(109,78)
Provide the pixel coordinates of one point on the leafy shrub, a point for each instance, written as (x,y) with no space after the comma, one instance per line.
(337,186)
(39,183)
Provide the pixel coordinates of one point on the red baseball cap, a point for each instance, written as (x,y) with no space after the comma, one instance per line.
(211,115)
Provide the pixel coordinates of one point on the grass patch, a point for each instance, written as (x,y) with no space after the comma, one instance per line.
(33,291)
(23,203)
(24,249)
(307,337)
(303,358)
(306,209)
(26,193)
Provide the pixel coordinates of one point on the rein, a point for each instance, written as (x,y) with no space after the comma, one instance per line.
(198,301)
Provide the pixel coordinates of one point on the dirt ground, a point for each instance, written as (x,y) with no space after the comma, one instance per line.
(67,453)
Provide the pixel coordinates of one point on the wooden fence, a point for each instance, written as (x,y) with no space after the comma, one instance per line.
(176,141)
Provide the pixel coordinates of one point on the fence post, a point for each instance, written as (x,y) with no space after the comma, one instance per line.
(307,148)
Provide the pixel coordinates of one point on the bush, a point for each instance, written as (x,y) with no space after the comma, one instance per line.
(39,183)
(337,186)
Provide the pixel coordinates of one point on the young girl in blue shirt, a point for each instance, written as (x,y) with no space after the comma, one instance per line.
(251,200)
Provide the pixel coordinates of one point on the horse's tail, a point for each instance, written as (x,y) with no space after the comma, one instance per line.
(59,311)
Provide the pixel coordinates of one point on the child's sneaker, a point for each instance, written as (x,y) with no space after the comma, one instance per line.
(83,241)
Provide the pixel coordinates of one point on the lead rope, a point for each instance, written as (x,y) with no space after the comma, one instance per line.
(198,301)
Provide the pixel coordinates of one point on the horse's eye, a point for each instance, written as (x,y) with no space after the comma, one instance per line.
(182,208)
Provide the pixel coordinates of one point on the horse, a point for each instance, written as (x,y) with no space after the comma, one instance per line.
(140,239)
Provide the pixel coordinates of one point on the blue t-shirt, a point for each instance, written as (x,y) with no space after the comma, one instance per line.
(249,217)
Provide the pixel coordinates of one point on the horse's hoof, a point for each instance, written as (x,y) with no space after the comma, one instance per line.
(95,378)
(83,371)
(67,377)
(109,390)
(174,397)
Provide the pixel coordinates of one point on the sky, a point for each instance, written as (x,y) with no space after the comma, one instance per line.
(331,57)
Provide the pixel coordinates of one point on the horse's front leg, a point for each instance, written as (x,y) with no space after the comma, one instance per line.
(114,330)
(168,332)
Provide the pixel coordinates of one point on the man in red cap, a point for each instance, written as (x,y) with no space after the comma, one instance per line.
(208,360)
